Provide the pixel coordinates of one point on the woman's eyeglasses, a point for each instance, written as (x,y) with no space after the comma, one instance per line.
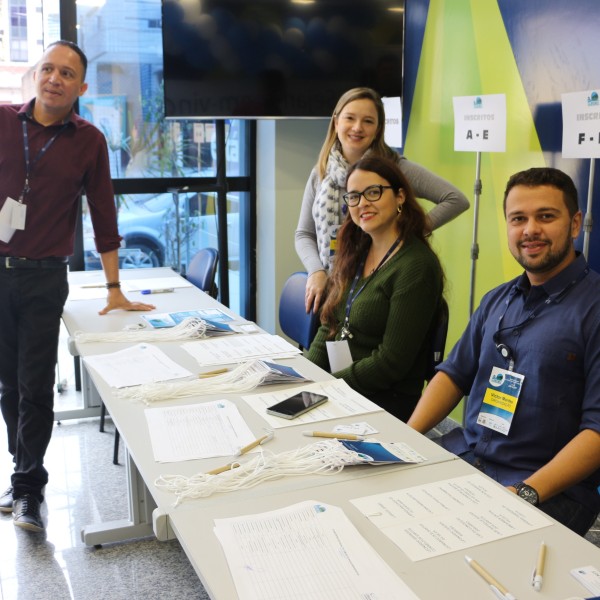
(372,194)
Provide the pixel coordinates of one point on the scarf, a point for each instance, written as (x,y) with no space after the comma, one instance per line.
(326,208)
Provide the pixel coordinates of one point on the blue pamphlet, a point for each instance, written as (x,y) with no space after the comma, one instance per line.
(216,320)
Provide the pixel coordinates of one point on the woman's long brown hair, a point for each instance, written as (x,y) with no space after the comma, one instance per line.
(353,243)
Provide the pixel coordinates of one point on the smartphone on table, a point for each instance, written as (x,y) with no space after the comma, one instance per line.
(296,405)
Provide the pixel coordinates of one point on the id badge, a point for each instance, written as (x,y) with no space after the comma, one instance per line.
(19,211)
(339,355)
(333,240)
(500,400)
(7,229)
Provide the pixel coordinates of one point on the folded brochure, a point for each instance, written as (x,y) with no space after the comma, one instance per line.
(215,319)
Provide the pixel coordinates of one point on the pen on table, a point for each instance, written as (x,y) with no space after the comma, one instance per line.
(337,436)
(257,442)
(158,291)
(212,373)
(499,590)
(235,465)
(92,285)
(538,573)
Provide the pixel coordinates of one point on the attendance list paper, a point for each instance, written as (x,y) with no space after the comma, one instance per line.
(238,348)
(307,551)
(452,514)
(342,401)
(197,431)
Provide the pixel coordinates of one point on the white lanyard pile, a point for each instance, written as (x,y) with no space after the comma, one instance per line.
(243,378)
(190,328)
(321,458)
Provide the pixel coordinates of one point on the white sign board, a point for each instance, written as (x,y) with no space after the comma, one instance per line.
(581,125)
(480,123)
(393,122)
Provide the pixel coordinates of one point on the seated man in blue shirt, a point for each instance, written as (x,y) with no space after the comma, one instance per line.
(529,361)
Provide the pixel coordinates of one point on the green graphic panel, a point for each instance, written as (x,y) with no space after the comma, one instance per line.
(466,52)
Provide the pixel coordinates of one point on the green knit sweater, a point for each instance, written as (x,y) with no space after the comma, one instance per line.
(390,321)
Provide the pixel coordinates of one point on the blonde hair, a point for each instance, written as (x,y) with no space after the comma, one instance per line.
(378,147)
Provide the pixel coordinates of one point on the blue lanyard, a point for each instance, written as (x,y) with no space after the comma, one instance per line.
(504,349)
(29,166)
(345,331)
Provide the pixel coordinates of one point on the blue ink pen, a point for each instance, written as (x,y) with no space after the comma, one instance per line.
(159,291)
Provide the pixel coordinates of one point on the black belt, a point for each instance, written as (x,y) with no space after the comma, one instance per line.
(12,262)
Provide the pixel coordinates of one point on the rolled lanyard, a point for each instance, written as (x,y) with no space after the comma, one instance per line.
(29,165)
(345,332)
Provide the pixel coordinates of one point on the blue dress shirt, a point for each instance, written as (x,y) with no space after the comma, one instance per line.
(558,352)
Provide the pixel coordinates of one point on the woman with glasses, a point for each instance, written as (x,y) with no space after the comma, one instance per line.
(384,292)
(356,129)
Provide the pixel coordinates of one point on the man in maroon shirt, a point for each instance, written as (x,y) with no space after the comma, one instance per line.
(48,157)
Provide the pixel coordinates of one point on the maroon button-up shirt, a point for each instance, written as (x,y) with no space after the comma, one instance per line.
(76,162)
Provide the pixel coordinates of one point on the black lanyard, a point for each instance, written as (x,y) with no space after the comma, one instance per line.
(29,165)
(345,332)
(504,349)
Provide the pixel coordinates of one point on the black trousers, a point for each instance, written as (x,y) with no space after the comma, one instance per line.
(31,305)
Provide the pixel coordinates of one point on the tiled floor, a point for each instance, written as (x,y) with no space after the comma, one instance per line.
(84,488)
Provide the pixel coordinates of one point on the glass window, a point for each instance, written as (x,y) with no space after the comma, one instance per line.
(149,156)
(125,100)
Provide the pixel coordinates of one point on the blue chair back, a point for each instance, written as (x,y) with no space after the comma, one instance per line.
(294,321)
(438,339)
(203,269)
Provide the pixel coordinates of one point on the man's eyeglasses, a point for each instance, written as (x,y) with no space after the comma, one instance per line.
(372,194)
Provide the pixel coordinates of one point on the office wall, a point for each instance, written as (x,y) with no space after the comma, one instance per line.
(286,152)
(531,51)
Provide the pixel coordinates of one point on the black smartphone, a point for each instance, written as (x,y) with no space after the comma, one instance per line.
(297,405)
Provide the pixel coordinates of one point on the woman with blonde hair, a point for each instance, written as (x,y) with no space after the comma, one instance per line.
(385,291)
(356,129)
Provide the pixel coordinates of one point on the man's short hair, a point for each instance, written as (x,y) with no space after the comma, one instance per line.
(73,46)
(546,176)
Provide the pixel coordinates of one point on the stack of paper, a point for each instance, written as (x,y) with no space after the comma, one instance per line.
(228,350)
(308,551)
(215,319)
(383,453)
(280,374)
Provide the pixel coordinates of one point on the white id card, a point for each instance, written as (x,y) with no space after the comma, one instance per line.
(19,211)
(7,228)
(588,577)
(339,355)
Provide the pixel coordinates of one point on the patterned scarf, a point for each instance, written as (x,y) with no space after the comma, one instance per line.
(326,208)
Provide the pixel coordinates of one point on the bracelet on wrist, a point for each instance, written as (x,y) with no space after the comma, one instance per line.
(113,284)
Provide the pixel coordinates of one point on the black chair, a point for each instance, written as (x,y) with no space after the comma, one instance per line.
(438,339)
(202,270)
(294,321)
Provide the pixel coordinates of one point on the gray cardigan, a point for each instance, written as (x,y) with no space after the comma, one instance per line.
(449,200)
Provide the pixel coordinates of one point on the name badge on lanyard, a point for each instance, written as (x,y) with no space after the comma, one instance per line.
(12,217)
(339,355)
(500,400)
(333,240)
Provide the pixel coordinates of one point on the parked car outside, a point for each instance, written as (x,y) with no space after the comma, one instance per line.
(153,236)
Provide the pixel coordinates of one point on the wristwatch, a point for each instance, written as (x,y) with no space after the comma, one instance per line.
(527,493)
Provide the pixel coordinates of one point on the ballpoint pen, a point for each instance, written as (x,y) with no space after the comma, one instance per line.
(158,291)
(212,373)
(499,590)
(228,467)
(257,442)
(92,285)
(234,465)
(538,574)
(337,436)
